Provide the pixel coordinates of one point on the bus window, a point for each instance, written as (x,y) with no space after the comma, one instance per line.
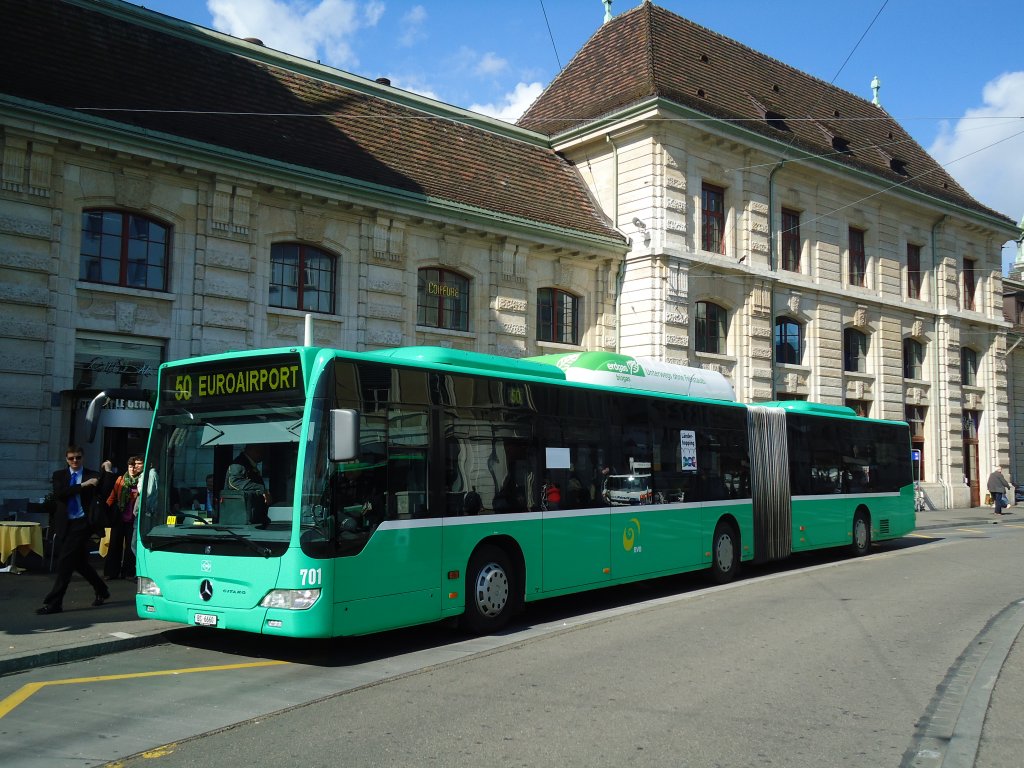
(490,450)
(408,432)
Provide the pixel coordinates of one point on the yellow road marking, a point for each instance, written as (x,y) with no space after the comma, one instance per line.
(163,751)
(970,530)
(919,536)
(23,693)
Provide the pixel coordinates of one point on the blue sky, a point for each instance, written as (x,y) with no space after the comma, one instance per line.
(952,72)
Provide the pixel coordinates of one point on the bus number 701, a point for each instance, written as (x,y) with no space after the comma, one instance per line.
(311,576)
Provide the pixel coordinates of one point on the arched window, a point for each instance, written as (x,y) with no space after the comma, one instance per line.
(855,351)
(557,316)
(913,359)
(442,299)
(789,341)
(709,329)
(968,367)
(127,249)
(302,277)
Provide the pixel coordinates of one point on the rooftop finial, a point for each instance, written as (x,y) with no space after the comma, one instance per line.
(876,86)
(607,10)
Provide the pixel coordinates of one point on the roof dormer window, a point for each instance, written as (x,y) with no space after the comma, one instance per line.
(776,120)
(839,144)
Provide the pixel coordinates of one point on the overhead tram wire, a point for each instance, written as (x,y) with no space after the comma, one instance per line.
(550,34)
(688,119)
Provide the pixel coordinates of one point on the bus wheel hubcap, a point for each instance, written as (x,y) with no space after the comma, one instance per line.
(724,553)
(491,590)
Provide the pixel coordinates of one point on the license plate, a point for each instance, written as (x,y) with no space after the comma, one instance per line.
(206,620)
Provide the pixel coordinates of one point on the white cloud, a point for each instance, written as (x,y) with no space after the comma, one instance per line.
(491,64)
(373,12)
(412,26)
(312,31)
(984,149)
(513,104)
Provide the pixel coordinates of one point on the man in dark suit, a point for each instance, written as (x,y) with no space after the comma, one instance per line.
(74,490)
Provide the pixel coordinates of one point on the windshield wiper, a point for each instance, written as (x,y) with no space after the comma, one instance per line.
(153,544)
(264,551)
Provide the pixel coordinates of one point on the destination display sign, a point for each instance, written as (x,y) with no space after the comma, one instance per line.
(237,379)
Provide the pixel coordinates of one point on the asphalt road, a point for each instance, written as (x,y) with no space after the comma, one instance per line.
(826,662)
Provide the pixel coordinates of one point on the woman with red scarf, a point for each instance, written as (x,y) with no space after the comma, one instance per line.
(120,560)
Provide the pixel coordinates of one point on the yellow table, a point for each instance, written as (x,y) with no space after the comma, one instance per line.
(19,537)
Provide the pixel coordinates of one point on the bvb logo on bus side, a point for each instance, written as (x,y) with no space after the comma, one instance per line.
(630,534)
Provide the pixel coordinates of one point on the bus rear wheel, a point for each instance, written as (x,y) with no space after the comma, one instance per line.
(490,591)
(861,543)
(725,553)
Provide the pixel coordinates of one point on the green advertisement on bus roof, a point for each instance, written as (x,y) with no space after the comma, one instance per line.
(617,370)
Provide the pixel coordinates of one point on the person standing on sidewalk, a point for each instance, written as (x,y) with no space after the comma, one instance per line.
(74,490)
(120,562)
(108,477)
(997,486)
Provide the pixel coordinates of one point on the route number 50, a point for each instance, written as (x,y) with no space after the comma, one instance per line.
(182,387)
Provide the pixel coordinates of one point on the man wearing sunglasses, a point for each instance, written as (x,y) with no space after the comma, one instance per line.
(74,489)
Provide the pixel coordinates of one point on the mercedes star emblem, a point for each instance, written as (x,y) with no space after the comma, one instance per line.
(206,590)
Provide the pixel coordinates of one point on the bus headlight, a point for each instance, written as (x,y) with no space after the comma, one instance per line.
(291,599)
(145,586)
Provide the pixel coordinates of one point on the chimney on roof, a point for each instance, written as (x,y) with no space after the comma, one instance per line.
(253,40)
(607,10)
(383,81)
(876,86)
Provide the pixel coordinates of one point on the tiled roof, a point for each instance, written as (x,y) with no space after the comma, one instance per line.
(649,52)
(73,56)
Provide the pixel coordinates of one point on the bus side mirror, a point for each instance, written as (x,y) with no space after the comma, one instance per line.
(344,434)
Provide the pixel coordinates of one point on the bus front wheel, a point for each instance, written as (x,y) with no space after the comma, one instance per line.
(725,553)
(490,585)
(861,543)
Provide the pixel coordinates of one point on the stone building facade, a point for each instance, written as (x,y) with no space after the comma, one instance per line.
(793,237)
(674,229)
(1013,310)
(127,240)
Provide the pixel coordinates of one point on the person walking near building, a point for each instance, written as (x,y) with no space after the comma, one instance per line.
(74,490)
(120,562)
(997,487)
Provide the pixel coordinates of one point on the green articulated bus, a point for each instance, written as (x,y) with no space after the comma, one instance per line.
(411,485)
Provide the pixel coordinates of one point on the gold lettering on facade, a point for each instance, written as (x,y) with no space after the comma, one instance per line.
(448,291)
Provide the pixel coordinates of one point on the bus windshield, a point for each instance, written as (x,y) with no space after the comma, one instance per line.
(211,474)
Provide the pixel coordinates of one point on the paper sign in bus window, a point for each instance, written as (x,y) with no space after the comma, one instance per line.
(557,458)
(688,450)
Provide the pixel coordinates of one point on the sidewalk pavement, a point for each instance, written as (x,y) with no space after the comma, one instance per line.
(81,631)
